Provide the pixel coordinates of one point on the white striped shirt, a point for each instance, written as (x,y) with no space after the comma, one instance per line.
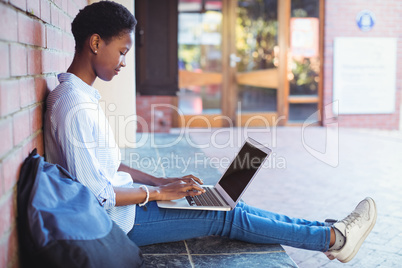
(79,138)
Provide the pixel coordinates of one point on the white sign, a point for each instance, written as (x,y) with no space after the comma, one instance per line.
(304,37)
(200,29)
(365,75)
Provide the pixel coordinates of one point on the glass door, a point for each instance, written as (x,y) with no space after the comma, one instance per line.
(257,62)
(304,72)
(200,63)
(249,62)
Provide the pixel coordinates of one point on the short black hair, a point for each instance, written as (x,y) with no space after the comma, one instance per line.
(106,18)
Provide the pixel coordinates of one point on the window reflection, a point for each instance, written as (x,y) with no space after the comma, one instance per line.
(304,47)
(257,48)
(200,54)
(304,64)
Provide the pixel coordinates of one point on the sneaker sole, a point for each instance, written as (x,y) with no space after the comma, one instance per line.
(356,249)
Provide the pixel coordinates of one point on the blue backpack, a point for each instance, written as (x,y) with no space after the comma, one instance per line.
(61,223)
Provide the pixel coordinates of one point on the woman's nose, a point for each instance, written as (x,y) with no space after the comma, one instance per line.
(123,62)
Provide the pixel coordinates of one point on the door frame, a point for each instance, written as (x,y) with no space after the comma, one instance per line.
(230,85)
(228,116)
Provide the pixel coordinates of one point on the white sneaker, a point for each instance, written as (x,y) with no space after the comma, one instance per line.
(355,227)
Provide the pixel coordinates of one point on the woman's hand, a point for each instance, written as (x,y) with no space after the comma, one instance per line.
(188,178)
(162,189)
(178,189)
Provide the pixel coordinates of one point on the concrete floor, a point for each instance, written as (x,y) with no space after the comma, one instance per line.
(317,173)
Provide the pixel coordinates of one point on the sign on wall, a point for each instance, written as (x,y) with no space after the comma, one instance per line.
(304,37)
(365,20)
(364,80)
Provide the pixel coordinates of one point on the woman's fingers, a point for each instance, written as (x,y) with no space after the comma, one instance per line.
(195,188)
(194,178)
(180,188)
(187,178)
(189,187)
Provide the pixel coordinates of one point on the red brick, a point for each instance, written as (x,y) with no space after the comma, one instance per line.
(48,61)
(60,63)
(67,23)
(1,190)
(8,23)
(62,21)
(69,59)
(34,61)
(9,249)
(55,62)
(12,242)
(72,9)
(68,43)
(16,263)
(58,3)
(54,15)
(64,5)
(25,28)
(30,31)
(54,38)
(38,143)
(81,3)
(5,65)
(27,91)
(33,7)
(45,10)
(66,63)
(21,126)
(36,117)
(11,169)
(62,24)
(7,215)
(18,54)
(35,142)
(6,134)
(21,4)
(9,97)
(3,254)
(27,148)
(51,82)
(41,89)
(39,34)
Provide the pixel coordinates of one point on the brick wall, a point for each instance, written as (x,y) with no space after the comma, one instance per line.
(35,44)
(154,113)
(340,16)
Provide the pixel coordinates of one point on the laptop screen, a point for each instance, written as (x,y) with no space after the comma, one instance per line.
(242,170)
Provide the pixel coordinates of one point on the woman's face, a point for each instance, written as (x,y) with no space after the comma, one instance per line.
(111,55)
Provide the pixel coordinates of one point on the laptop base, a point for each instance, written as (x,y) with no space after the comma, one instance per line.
(182,203)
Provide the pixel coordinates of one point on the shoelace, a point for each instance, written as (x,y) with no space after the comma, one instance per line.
(351,219)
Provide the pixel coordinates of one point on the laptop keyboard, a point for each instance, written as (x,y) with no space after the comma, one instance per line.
(206,199)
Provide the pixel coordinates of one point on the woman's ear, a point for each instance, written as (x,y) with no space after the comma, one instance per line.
(94,41)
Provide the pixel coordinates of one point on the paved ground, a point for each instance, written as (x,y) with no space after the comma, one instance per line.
(165,159)
(213,251)
(318,173)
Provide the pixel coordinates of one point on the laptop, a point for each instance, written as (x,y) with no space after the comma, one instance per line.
(229,189)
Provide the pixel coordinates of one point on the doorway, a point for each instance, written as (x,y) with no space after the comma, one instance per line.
(249,62)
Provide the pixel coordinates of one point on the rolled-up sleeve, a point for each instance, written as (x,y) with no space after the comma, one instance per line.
(77,137)
(107,198)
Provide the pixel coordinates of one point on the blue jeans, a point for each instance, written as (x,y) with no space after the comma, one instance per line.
(245,223)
